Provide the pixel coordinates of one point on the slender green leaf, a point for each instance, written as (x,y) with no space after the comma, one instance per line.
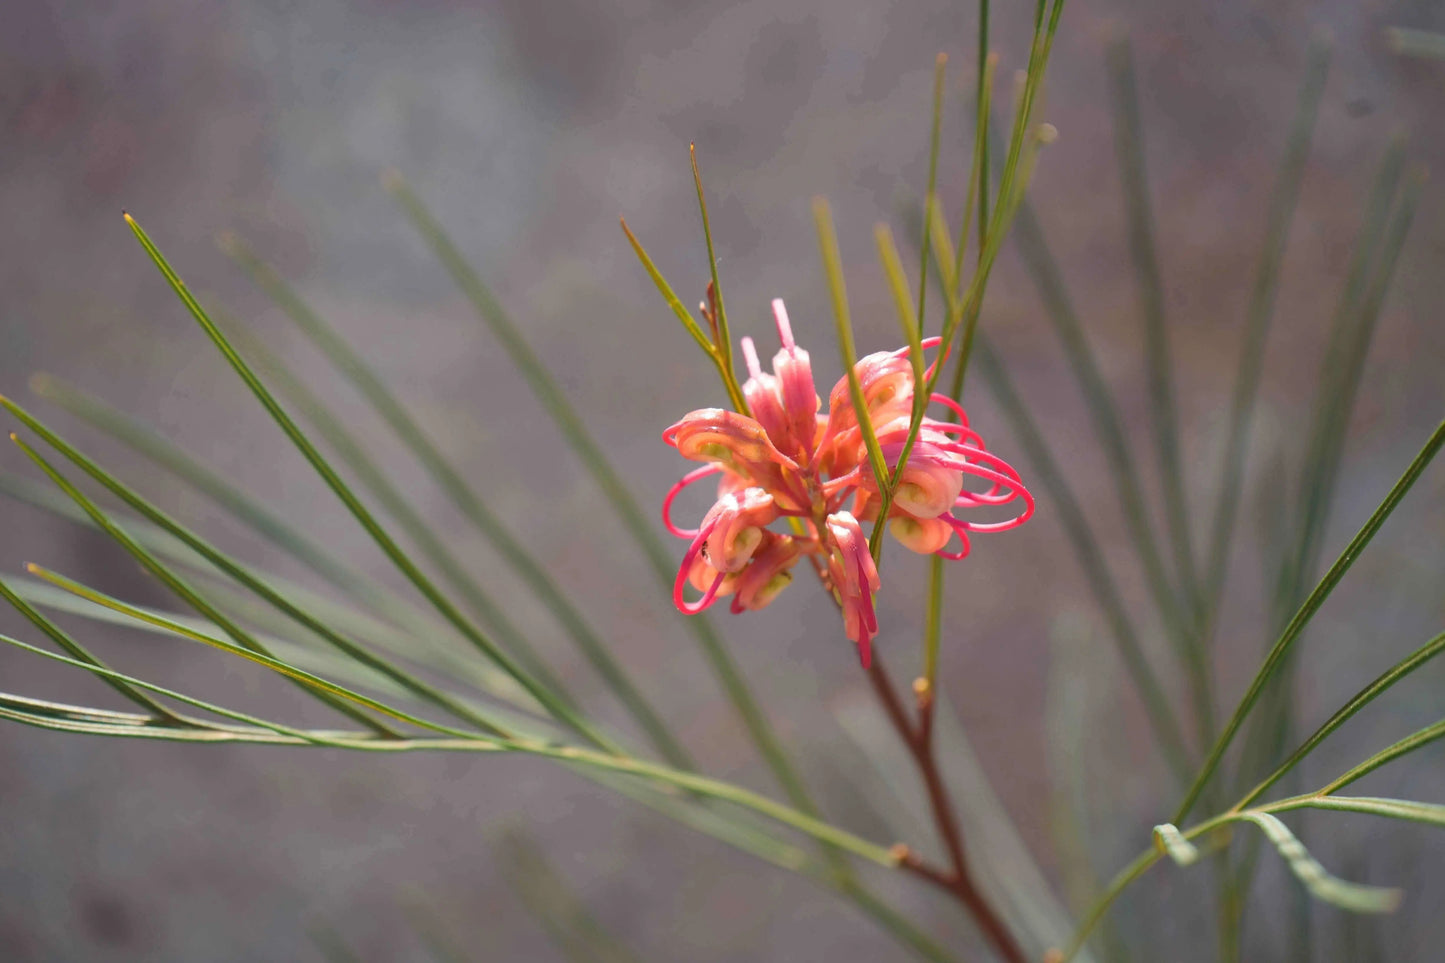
(724,338)
(1157,705)
(240,573)
(426,922)
(702,338)
(930,200)
(174,459)
(888,485)
(1339,383)
(1355,897)
(963,310)
(185,725)
(173,581)
(1361,699)
(1350,334)
(560,910)
(1307,610)
(1411,743)
(424,638)
(1129,142)
(253,654)
(359,587)
(363,516)
(61,638)
(1163,724)
(986,65)
(838,292)
(1103,411)
(1416,43)
(1431,813)
(399,506)
(331,945)
(1168,841)
(902,296)
(1279,218)
(977,194)
(350,363)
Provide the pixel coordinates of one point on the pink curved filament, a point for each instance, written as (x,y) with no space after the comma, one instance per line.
(672,493)
(962,533)
(680,582)
(951,405)
(1004,477)
(969,437)
(708,598)
(927,344)
(1015,522)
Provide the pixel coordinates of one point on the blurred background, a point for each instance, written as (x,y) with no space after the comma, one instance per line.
(529,127)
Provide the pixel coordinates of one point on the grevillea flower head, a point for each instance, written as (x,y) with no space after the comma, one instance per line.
(783,460)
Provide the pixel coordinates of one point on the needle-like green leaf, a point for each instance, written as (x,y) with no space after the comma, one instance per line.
(61,638)
(689,323)
(1103,411)
(1283,200)
(838,293)
(174,582)
(888,486)
(1307,610)
(724,337)
(554,903)
(1342,715)
(360,588)
(1130,147)
(1350,334)
(1168,841)
(1416,740)
(1416,43)
(235,570)
(253,654)
(1322,885)
(1157,705)
(359,511)
(1432,814)
(350,450)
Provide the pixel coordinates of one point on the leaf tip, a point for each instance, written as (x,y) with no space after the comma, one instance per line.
(1168,841)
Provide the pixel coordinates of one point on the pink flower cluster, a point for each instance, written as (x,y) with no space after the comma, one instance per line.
(789,461)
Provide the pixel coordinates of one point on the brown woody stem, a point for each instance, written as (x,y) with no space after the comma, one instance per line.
(955,880)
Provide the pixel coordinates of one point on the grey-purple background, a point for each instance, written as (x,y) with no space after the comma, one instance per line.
(529,127)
